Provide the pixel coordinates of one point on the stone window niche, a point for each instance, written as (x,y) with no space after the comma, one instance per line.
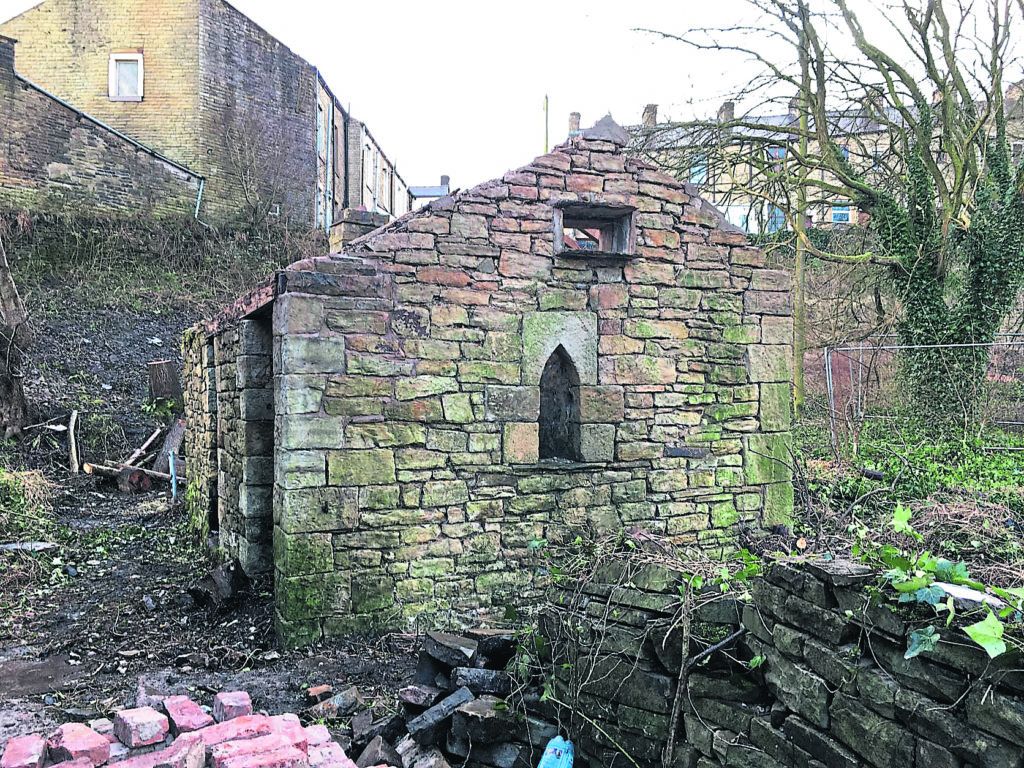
(594,229)
(559,425)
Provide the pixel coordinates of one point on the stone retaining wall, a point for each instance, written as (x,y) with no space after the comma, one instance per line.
(833,690)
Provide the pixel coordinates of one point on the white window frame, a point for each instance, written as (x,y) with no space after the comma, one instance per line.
(841,213)
(112,93)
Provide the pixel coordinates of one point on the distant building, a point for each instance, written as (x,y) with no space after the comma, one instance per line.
(203,85)
(862,132)
(53,155)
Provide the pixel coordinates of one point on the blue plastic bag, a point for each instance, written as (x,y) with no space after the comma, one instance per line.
(557,754)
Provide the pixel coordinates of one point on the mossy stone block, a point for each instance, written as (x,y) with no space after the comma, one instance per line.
(424,386)
(367,467)
(767,458)
(444,493)
(778,504)
(458,408)
(303,553)
(776,400)
(309,596)
(309,510)
(372,593)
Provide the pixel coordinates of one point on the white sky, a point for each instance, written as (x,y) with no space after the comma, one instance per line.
(458,86)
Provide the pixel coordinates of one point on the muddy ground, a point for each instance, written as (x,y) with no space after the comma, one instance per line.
(86,628)
(110,620)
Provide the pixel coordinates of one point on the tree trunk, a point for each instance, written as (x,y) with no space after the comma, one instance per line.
(14,340)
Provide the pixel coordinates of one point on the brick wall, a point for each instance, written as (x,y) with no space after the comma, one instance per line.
(257,112)
(65,46)
(52,156)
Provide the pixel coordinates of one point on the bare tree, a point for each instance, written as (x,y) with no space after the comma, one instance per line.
(912,133)
(15,337)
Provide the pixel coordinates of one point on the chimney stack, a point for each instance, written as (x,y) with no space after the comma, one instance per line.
(7,54)
(727,112)
(574,124)
(650,118)
(445,180)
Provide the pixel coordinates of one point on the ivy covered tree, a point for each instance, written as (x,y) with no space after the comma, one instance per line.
(912,134)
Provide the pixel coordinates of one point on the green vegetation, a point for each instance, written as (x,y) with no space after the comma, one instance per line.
(142,264)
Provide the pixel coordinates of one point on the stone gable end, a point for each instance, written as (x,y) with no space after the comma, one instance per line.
(459,385)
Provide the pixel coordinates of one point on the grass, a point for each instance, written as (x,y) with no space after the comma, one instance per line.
(966,501)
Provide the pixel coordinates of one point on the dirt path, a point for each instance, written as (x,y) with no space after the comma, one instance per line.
(110,619)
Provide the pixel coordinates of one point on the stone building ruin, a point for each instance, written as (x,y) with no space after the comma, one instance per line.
(580,346)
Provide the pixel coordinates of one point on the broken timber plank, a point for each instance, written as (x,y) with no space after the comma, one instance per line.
(171,443)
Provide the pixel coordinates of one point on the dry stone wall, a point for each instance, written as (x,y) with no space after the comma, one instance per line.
(833,690)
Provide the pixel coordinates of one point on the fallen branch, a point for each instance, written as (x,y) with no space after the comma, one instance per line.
(103,470)
(131,459)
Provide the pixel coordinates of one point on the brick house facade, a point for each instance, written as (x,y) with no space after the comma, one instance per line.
(203,84)
(53,156)
(391,427)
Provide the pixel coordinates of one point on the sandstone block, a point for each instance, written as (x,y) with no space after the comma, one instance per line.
(597,442)
(366,467)
(504,403)
(601,404)
(521,443)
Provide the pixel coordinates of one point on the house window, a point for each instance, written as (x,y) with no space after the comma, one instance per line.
(841,213)
(778,155)
(125,77)
(775,220)
(559,428)
(699,172)
(594,227)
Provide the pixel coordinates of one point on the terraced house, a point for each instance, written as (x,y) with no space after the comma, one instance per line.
(201,84)
(389,428)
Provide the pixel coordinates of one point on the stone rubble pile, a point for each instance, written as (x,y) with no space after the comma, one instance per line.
(454,713)
(456,707)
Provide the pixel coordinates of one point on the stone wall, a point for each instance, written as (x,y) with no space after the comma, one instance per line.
(53,156)
(408,479)
(833,690)
(200,442)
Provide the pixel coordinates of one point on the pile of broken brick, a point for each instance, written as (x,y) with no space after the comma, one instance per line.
(185,735)
(455,712)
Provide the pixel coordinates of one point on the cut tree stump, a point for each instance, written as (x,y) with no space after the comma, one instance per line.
(164,385)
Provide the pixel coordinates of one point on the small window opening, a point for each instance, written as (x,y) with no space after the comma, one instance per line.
(594,227)
(125,77)
(559,429)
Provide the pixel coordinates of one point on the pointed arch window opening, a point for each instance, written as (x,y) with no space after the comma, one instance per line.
(559,427)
